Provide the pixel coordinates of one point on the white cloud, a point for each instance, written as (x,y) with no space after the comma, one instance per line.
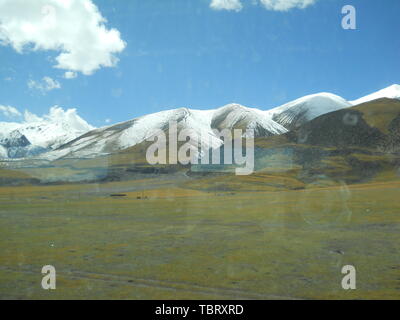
(276,5)
(107,121)
(9,112)
(70,116)
(31,117)
(70,75)
(285,5)
(46,84)
(234,5)
(75,28)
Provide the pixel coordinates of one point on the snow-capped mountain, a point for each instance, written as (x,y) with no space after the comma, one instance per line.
(16,145)
(201,122)
(295,113)
(55,129)
(392,92)
(235,116)
(65,134)
(41,134)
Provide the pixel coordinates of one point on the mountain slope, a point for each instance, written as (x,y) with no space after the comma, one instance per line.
(235,116)
(369,125)
(3,152)
(294,114)
(353,145)
(130,133)
(392,92)
(14,139)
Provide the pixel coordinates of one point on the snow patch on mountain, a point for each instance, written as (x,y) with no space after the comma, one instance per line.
(144,127)
(235,116)
(297,112)
(130,133)
(392,92)
(3,152)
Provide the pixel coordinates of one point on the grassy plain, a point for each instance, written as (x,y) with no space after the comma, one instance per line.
(183,240)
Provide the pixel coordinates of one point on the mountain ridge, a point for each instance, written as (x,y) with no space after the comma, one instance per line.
(392,92)
(64,133)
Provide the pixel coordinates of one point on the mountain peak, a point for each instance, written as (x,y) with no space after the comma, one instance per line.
(56,128)
(299,111)
(394,87)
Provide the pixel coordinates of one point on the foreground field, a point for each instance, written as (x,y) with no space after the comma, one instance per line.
(162,240)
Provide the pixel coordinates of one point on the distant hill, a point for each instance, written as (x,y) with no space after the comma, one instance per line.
(351,145)
(371,125)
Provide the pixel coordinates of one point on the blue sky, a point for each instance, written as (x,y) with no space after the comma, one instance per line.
(182,53)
